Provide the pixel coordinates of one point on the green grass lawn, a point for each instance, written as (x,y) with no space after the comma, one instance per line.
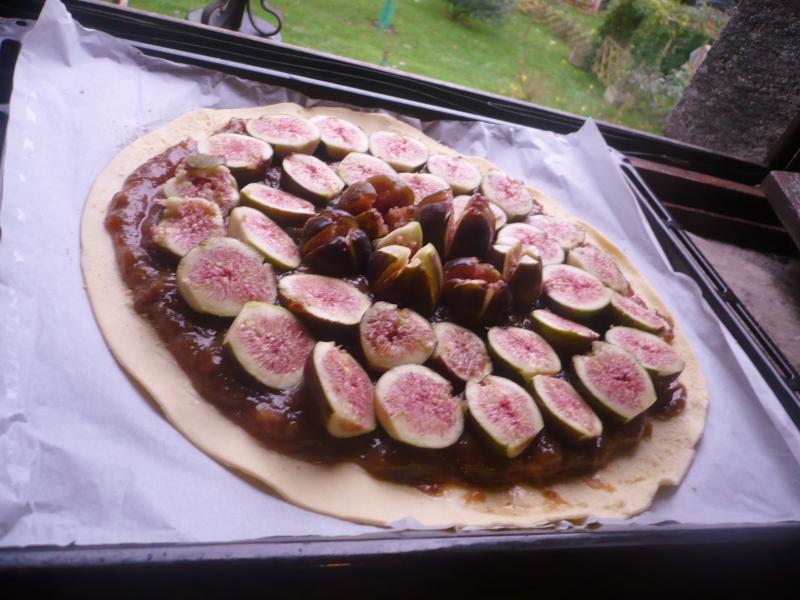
(522,58)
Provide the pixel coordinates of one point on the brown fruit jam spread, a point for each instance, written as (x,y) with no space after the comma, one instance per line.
(288,423)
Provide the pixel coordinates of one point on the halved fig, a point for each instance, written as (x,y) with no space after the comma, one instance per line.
(614,381)
(288,134)
(392,336)
(204,176)
(413,281)
(409,235)
(340,137)
(358,166)
(401,152)
(282,207)
(186,222)
(475,292)
(423,184)
(522,351)
(372,223)
(270,344)
(567,410)
(262,233)
(593,260)
(434,215)
(323,300)
(508,193)
(470,228)
(416,406)
(522,271)
(458,172)
(655,354)
(574,292)
(311,178)
(628,311)
(500,216)
(247,157)
(332,243)
(567,234)
(385,265)
(343,390)
(221,274)
(563,334)
(460,353)
(533,240)
(504,413)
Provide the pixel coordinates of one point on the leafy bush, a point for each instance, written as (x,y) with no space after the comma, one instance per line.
(491,11)
(658,33)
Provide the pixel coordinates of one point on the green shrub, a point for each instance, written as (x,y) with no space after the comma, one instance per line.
(659,33)
(491,11)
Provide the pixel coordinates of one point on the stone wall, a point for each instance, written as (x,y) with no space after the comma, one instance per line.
(747,90)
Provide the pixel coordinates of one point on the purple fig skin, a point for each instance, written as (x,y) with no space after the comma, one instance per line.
(332,243)
(474,231)
(525,282)
(475,292)
(433,217)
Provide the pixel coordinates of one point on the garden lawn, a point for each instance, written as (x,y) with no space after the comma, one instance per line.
(521,58)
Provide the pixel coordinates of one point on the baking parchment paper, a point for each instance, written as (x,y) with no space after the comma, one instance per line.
(86,459)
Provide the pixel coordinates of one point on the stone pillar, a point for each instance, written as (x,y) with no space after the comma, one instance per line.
(747,90)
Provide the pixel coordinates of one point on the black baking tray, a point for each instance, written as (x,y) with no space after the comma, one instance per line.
(501,562)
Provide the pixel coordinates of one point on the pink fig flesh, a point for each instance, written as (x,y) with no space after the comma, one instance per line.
(614,381)
(565,407)
(460,353)
(562,333)
(391,336)
(508,193)
(342,389)
(340,137)
(287,134)
(416,406)
(358,166)
(423,184)
(567,234)
(593,260)
(505,414)
(244,155)
(186,222)
(221,274)
(325,300)
(523,352)
(574,292)
(630,312)
(534,241)
(270,344)
(655,354)
(311,177)
(262,233)
(459,173)
(282,207)
(401,152)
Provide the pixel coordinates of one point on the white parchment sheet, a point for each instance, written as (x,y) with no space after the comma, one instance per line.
(85,458)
